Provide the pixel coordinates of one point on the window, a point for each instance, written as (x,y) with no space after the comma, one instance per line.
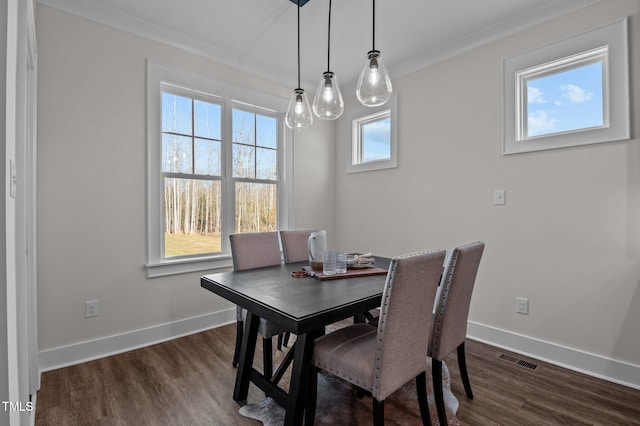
(192,175)
(373,138)
(255,167)
(573,92)
(217,166)
(566,95)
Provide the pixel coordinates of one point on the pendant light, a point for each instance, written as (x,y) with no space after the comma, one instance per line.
(299,116)
(328,103)
(374,85)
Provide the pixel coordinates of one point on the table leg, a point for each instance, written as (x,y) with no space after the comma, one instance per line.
(300,377)
(245,364)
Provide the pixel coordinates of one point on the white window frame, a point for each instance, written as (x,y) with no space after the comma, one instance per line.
(232,96)
(356,117)
(608,45)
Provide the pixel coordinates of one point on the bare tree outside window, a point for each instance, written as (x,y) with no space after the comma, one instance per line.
(193,173)
(255,167)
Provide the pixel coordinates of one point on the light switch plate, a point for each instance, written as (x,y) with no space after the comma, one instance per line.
(522,305)
(499,197)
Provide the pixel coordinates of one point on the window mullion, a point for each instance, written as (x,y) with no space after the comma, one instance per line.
(229,183)
(193,135)
(255,146)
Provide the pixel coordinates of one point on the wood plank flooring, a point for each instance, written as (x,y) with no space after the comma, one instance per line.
(189,381)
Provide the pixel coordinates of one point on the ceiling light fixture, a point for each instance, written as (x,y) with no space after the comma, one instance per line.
(374,85)
(328,103)
(299,116)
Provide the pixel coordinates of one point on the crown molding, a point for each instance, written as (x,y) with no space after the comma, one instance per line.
(521,22)
(89,10)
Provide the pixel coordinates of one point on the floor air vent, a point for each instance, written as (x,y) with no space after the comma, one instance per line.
(527,364)
(516,361)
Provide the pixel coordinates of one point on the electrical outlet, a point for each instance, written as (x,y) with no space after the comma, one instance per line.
(522,305)
(90,308)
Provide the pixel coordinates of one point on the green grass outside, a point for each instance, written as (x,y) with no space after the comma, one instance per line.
(185,244)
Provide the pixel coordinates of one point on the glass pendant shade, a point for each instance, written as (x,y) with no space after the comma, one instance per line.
(299,116)
(328,103)
(374,85)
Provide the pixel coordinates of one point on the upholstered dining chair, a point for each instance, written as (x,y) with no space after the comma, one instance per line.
(295,244)
(295,248)
(450,319)
(381,360)
(250,251)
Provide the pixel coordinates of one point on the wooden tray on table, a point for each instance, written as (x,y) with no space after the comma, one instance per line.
(351,273)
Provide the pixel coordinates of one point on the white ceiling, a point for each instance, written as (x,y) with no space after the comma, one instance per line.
(260,35)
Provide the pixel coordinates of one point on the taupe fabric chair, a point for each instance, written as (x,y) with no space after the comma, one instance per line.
(381,360)
(250,251)
(450,318)
(295,244)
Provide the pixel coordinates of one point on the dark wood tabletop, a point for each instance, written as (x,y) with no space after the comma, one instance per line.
(297,305)
(302,306)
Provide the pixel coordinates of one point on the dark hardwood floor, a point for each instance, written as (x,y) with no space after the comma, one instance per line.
(189,381)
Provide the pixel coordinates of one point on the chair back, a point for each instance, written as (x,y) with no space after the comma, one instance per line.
(452,307)
(254,250)
(295,244)
(405,320)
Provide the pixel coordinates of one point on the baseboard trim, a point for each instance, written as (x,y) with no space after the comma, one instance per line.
(562,356)
(89,350)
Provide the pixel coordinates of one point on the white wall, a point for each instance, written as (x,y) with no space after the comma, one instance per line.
(568,238)
(92,183)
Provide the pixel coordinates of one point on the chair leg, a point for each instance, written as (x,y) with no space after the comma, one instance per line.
(421,386)
(310,409)
(462,364)
(283,340)
(378,412)
(236,352)
(267,357)
(436,376)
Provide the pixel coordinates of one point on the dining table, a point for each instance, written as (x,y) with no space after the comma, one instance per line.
(301,306)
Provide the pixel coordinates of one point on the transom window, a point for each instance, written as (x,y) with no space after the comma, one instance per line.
(565,95)
(373,137)
(568,93)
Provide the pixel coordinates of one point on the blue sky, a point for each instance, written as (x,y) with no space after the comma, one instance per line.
(565,101)
(376,140)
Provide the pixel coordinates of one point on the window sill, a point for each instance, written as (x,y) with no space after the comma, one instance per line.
(183,266)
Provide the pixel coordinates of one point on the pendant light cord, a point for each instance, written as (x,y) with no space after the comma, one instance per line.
(298,44)
(329,40)
(374,25)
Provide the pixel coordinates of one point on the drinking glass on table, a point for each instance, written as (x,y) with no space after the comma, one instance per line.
(341,262)
(329,263)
